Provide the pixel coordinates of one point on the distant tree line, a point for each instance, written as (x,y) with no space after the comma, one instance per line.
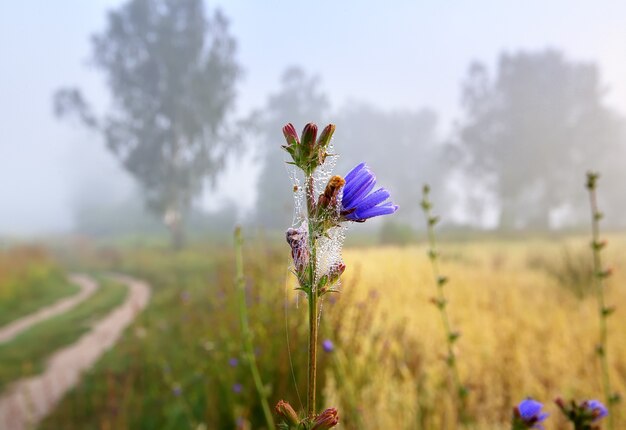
(528,132)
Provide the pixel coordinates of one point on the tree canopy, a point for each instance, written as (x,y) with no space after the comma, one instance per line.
(531,131)
(171,71)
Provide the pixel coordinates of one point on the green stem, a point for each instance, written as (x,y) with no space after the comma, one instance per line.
(599,284)
(441,304)
(312,296)
(246,333)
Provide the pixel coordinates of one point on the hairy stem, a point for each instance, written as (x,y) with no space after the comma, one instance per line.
(312,293)
(246,333)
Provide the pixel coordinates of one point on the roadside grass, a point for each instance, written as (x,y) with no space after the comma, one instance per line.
(29,280)
(27,353)
(180,365)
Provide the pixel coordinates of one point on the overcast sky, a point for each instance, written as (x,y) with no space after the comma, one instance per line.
(401,54)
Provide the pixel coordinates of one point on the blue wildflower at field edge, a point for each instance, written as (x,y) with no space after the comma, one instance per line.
(584,415)
(528,415)
(597,409)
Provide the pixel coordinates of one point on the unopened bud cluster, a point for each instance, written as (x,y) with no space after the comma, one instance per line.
(291,421)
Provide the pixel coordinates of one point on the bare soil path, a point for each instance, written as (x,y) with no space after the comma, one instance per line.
(87,288)
(27,401)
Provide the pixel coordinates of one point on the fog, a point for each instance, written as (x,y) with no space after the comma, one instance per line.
(412,87)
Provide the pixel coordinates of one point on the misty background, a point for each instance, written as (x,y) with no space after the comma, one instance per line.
(501,106)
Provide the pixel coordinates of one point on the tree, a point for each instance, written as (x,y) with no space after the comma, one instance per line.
(400,145)
(172,75)
(531,132)
(299,101)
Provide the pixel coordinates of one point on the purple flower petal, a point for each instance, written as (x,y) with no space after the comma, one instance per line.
(598,408)
(353,172)
(386,209)
(375,198)
(357,202)
(358,188)
(529,408)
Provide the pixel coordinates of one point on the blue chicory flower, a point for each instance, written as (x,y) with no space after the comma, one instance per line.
(530,413)
(596,407)
(237,388)
(328,345)
(358,204)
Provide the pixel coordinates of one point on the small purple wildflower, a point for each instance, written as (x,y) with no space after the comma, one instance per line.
(328,345)
(528,414)
(237,388)
(185,296)
(357,202)
(177,390)
(597,409)
(233,362)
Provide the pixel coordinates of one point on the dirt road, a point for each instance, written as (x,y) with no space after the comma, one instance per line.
(27,401)
(87,288)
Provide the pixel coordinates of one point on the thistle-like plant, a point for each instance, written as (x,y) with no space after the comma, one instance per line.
(441,302)
(316,239)
(586,415)
(600,274)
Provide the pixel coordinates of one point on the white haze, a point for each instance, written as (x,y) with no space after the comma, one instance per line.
(412,55)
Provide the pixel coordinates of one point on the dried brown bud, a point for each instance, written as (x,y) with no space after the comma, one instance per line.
(326,420)
(297,240)
(285,410)
(329,197)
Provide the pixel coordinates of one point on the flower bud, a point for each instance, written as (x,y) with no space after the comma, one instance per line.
(323,142)
(297,240)
(284,410)
(326,420)
(335,272)
(291,136)
(309,135)
(326,135)
(592,179)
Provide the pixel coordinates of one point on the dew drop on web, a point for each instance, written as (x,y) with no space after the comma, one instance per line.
(298,195)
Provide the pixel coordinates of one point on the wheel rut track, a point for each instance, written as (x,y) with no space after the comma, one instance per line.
(28,401)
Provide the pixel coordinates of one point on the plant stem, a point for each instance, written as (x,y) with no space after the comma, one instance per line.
(312,293)
(441,303)
(246,333)
(602,309)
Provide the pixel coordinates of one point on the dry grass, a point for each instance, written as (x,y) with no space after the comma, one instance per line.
(523,335)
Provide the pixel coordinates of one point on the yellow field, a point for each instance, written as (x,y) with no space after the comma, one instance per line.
(523,334)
